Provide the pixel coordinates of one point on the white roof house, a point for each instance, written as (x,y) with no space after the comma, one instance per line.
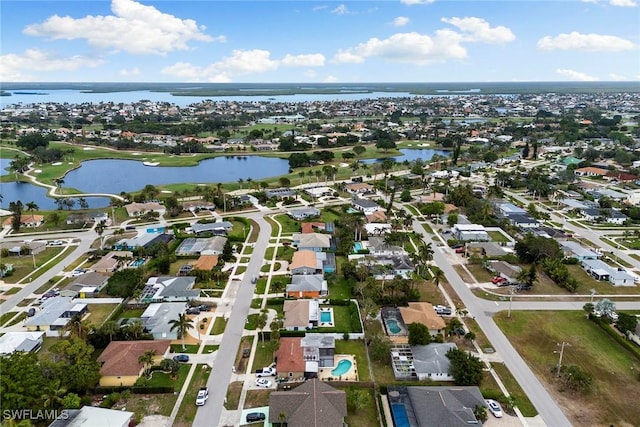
(20,341)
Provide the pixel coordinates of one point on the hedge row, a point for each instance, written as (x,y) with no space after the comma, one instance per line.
(619,338)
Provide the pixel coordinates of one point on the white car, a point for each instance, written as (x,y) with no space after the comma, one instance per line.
(203,395)
(261,382)
(494,408)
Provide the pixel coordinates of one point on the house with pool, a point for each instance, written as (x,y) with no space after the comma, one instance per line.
(300,315)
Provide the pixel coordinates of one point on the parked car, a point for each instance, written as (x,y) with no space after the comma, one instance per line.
(203,395)
(457,246)
(204,307)
(460,250)
(494,408)
(255,416)
(496,280)
(442,310)
(193,310)
(31,312)
(246,352)
(181,358)
(254,279)
(261,382)
(266,372)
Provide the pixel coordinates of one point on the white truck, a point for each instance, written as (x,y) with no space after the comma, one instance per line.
(266,372)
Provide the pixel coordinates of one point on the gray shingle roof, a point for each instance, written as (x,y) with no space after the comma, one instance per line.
(311,404)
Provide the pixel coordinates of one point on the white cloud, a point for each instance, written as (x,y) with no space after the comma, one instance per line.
(133,28)
(575,75)
(414,2)
(411,48)
(623,3)
(330,79)
(400,21)
(135,71)
(312,60)
(585,42)
(340,10)
(13,66)
(479,30)
(618,77)
(240,63)
(319,8)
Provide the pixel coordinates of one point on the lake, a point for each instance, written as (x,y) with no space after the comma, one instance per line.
(115,176)
(411,154)
(4,166)
(27,192)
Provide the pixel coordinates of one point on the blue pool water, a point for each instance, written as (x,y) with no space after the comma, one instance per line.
(357,246)
(400,417)
(352,211)
(343,367)
(325,316)
(392,326)
(136,263)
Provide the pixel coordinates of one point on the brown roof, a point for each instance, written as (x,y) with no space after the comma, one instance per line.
(289,356)
(377,216)
(206,262)
(422,312)
(296,313)
(311,404)
(120,358)
(592,170)
(26,218)
(309,227)
(359,186)
(303,258)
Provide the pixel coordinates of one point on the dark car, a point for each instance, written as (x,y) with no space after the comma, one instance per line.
(246,352)
(255,416)
(204,307)
(181,358)
(193,310)
(31,312)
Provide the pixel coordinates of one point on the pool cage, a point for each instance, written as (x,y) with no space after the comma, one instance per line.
(392,321)
(402,362)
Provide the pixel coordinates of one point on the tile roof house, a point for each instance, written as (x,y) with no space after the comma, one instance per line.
(300,315)
(120,365)
(307,286)
(305,262)
(312,241)
(206,262)
(422,312)
(289,360)
(591,171)
(26,220)
(360,188)
(436,406)
(137,209)
(311,404)
(111,261)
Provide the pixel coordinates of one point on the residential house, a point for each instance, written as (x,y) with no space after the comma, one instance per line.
(489,250)
(376,217)
(169,289)
(93,416)
(198,205)
(423,312)
(300,315)
(366,206)
(111,261)
(139,209)
(85,218)
(20,341)
(436,406)
(360,188)
(610,216)
(289,358)
(600,270)
(280,193)
(120,360)
(220,228)
(303,213)
(523,221)
(591,171)
(319,191)
(312,227)
(312,241)
(431,362)
(157,316)
(318,351)
(86,286)
(206,262)
(377,229)
(508,209)
(576,250)
(54,315)
(384,267)
(470,232)
(144,240)
(378,246)
(305,262)
(307,286)
(202,246)
(313,403)
(26,220)
(505,270)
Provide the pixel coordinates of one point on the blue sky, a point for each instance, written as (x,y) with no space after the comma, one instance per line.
(319,41)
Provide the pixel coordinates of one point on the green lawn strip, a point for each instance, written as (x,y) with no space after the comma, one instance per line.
(256,303)
(241,269)
(252,321)
(98,313)
(248,250)
(131,313)
(25,302)
(257,399)
(275,228)
(219,326)
(233,395)
(19,318)
(268,254)
(285,253)
(340,289)
(23,265)
(497,236)
(6,317)
(261,286)
(276,304)
(289,225)
(265,268)
(163,379)
(535,335)
(188,348)
(188,408)
(481,338)
(263,355)
(520,398)
(479,272)
(357,348)
(13,290)
(210,348)
(427,227)
(412,209)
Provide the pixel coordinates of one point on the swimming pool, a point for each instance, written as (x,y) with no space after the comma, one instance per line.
(325,317)
(357,246)
(343,367)
(136,263)
(400,417)
(392,326)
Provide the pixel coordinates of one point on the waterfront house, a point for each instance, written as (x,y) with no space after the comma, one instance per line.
(139,209)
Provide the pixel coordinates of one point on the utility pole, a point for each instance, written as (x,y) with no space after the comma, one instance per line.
(562,346)
(512,291)
(593,293)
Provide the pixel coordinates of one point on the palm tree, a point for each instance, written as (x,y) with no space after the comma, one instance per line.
(135,328)
(59,182)
(261,323)
(437,275)
(240,181)
(146,359)
(52,396)
(32,206)
(301,174)
(83,203)
(100,227)
(425,251)
(182,324)
(109,328)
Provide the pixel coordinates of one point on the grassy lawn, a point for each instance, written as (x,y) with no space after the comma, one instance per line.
(257,398)
(252,321)
(241,362)
(6,316)
(188,348)
(429,292)
(241,269)
(256,303)
(19,318)
(261,286)
(481,338)
(23,265)
(340,289)
(150,404)
(497,236)
(275,229)
(248,250)
(98,313)
(535,335)
(218,326)
(25,302)
(162,379)
(285,253)
(355,347)
(479,272)
(233,395)
(265,268)
(463,273)
(268,254)
(289,225)
(520,398)
(131,313)
(263,356)
(13,290)
(188,408)
(210,348)
(364,416)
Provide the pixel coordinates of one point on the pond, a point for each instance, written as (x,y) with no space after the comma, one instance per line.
(412,154)
(115,176)
(4,166)
(27,192)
